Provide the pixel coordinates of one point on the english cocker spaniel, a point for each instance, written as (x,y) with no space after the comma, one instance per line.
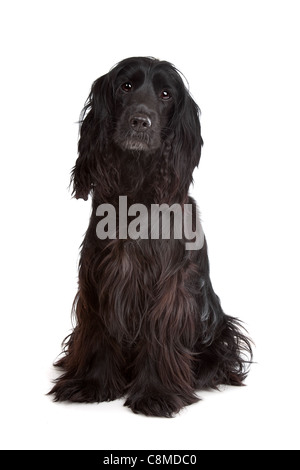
(149,326)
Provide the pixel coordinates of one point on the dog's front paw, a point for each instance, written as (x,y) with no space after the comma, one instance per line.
(158,405)
(82,391)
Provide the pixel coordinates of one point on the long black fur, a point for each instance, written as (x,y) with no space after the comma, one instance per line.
(148,324)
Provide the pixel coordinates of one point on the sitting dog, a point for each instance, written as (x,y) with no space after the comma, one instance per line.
(149,326)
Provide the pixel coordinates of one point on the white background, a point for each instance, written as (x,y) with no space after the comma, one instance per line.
(241,59)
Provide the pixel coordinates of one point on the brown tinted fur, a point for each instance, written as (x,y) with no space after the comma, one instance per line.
(148,323)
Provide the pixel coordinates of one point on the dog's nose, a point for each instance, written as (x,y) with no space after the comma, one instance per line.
(140,122)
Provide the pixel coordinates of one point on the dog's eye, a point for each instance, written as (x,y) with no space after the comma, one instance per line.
(165,95)
(127,86)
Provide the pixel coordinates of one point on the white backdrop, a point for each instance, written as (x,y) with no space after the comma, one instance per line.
(241,59)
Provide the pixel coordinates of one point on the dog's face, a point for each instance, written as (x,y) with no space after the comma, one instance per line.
(145,98)
(141,106)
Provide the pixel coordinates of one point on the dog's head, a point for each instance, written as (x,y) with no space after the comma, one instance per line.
(141,107)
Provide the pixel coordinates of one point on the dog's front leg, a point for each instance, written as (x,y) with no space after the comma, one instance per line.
(93,368)
(94,362)
(162,370)
(160,387)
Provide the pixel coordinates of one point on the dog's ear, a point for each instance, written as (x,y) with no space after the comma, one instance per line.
(94,122)
(187,142)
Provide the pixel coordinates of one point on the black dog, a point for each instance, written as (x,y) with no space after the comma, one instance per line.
(149,325)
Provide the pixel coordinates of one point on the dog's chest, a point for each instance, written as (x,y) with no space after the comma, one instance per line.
(127,287)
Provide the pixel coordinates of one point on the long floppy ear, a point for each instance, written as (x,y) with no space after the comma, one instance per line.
(94,122)
(187,142)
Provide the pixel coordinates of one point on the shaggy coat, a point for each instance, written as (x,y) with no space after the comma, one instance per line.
(149,326)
